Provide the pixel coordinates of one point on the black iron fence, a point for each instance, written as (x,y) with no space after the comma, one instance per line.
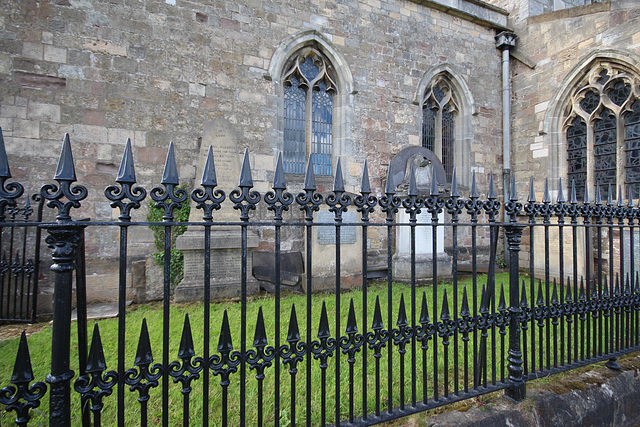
(571,298)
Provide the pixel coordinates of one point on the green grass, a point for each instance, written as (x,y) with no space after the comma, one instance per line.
(40,348)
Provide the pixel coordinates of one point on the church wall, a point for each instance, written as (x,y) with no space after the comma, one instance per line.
(158,71)
(554,44)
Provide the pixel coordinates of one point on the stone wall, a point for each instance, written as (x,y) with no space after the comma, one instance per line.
(157,71)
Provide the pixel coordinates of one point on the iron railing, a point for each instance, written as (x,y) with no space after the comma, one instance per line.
(381,358)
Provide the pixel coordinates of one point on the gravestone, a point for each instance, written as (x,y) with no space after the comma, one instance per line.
(323,247)
(226,241)
(424,163)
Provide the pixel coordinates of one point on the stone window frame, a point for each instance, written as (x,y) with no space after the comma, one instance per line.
(280,65)
(556,120)
(461,98)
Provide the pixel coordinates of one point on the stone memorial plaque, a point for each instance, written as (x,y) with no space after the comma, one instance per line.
(220,135)
(327,234)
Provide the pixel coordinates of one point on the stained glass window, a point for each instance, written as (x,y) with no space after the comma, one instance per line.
(598,152)
(308,113)
(438,123)
(632,148)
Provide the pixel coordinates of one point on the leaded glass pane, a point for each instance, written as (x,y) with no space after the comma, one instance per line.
(590,102)
(322,138)
(438,93)
(447,142)
(309,69)
(605,146)
(428,126)
(294,127)
(619,93)
(604,77)
(632,147)
(577,154)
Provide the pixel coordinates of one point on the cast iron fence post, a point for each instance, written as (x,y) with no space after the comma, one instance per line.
(64,239)
(513,231)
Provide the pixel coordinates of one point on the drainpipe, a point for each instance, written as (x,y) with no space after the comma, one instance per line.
(505,41)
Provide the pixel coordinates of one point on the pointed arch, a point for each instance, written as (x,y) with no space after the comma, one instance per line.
(314,85)
(581,100)
(446,106)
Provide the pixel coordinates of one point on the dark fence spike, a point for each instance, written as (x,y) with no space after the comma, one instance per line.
(554,294)
(545,197)
(502,305)
(582,296)
(586,199)
(523,296)
(170,173)
(444,313)
(225,346)
(294,332)
(209,178)
(126,173)
(464,310)
(513,193)
(620,201)
(377,316)
(540,300)
(454,184)
(22,370)
(95,361)
(278,179)
(605,288)
(310,178)
(474,187)
(260,335)
(246,180)
(66,170)
(484,301)
(434,184)
(560,198)
(532,193)
(338,183)
(609,196)
(574,198)
(352,325)
(402,313)
(323,327)
(5,172)
(492,188)
(424,310)
(186,350)
(144,356)
(390,188)
(569,296)
(365,187)
(598,200)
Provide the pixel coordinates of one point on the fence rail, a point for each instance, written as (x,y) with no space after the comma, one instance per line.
(374,357)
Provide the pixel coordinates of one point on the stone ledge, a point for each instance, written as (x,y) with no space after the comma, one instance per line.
(599,397)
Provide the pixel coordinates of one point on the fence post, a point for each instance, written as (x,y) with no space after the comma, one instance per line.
(517,390)
(63,240)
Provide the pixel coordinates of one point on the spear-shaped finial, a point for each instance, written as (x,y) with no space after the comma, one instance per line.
(338,183)
(209,174)
(245,173)
(278,179)
(365,187)
(170,173)
(66,170)
(126,173)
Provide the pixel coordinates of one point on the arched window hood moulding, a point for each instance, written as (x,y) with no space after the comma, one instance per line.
(555,110)
(316,39)
(456,80)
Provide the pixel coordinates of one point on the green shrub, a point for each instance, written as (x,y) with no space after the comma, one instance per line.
(180,214)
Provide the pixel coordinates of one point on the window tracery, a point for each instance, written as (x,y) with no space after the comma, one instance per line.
(439,110)
(602,123)
(309,89)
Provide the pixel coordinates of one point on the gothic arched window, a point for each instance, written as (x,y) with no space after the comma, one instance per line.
(603,131)
(439,110)
(309,90)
